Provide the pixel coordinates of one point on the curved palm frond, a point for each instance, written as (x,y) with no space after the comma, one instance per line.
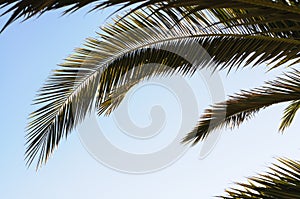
(119,57)
(244,105)
(281,182)
(289,114)
(69,93)
(241,47)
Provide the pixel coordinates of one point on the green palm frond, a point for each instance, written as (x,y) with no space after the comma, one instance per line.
(120,56)
(244,105)
(242,45)
(281,182)
(69,93)
(289,114)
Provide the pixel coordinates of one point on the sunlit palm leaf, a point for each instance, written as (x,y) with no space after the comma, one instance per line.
(281,182)
(244,105)
(119,57)
(271,49)
(69,93)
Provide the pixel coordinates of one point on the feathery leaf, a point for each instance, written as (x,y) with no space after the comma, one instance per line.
(244,105)
(120,58)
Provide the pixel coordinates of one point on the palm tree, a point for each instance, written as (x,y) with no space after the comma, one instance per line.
(262,31)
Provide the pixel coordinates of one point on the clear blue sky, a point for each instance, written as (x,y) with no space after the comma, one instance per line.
(29,51)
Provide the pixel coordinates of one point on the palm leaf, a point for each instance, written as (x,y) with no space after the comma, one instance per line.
(121,55)
(242,47)
(281,182)
(69,93)
(244,105)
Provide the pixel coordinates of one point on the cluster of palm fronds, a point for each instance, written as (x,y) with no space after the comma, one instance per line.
(254,31)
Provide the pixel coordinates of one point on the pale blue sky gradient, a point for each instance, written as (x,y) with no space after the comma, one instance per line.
(30,50)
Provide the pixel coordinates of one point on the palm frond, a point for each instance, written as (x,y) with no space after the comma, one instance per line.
(120,56)
(281,182)
(244,105)
(69,93)
(289,114)
(244,47)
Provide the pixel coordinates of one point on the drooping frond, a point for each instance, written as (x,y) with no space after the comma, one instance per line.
(69,93)
(281,182)
(289,114)
(245,21)
(122,54)
(244,105)
(245,46)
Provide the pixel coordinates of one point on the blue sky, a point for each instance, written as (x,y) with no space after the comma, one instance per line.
(30,50)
